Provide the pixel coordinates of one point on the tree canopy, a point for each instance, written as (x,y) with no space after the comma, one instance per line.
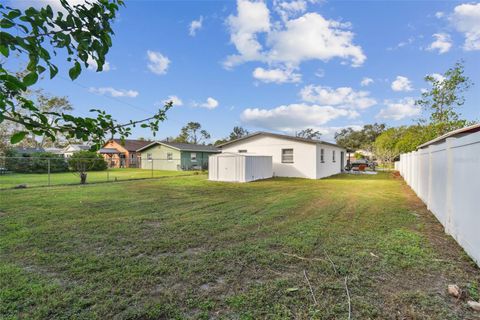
(193,133)
(442,101)
(309,133)
(359,139)
(82,32)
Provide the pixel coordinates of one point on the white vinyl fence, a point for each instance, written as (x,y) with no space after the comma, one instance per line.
(446,176)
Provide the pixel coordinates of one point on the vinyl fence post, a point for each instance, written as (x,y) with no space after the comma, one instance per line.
(152,168)
(48,166)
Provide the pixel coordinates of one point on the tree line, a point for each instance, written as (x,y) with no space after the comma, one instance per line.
(440,114)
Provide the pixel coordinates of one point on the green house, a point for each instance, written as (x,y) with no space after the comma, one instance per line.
(163,155)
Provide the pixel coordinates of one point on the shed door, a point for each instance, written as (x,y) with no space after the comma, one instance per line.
(226,168)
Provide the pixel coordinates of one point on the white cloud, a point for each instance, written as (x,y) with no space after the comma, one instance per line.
(439,14)
(438,77)
(252,18)
(287,9)
(290,42)
(466,19)
(312,37)
(92,65)
(158,62)
(195,25)
(401,109)
(366,82)
(276,75)
(442,43)
(114,92)
(402,84)
(210,104)
(176,100)
(293,117)
(344,97)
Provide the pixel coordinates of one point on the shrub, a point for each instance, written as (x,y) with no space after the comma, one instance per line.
(35,162)
(87,161)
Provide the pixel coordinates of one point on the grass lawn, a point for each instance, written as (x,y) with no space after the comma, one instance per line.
(184,247)
(41,179)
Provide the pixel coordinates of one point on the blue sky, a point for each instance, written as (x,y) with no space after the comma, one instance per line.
(280,65)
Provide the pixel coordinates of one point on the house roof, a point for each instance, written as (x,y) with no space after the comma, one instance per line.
(281,136)
(27,150)
(466,130)
(132,145)
(183,146)
(109,151)
(78,147)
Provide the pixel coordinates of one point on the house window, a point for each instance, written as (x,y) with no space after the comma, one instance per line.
(193,157)
(169,156)
(242,151)
(322,155)
(333,155)
(287,155)
(149,156)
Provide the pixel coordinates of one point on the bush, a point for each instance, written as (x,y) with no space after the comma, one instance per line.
(35,162)
(87,161)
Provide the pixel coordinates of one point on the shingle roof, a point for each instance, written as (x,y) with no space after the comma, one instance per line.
(469,129)
(183,146)
(282,136)
(132,145)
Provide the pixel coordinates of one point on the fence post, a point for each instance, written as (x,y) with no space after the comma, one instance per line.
(152,168)
(48,165)
(108,175)
(449,227)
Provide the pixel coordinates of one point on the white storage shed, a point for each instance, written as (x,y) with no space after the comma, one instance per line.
(239,167)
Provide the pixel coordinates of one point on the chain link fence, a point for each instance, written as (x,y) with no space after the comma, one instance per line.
(26,172)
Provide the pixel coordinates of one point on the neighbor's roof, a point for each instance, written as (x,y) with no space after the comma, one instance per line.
(132,145)
(183,146)
(78,147)
(281,136)
(28,150)
(463,131)
(109,151)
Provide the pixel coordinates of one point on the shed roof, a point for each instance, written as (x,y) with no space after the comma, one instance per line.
(462,131)
(281,136)
(182,146)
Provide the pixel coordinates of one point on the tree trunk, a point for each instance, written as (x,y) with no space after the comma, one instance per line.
(83,177)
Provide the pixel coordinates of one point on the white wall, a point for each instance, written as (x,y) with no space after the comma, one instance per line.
(329,167)
(304,155)
(446,176)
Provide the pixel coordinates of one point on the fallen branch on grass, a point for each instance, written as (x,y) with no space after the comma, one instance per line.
(348,296)
(301,258)
(346,286)
(333,264)
(310,286)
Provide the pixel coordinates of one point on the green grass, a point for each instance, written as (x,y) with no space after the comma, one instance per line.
(185,247)
(40,179)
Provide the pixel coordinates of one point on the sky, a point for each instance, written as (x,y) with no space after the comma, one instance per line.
(279,66)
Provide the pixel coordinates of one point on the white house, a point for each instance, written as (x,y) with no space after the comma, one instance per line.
(292,156)
(69,150)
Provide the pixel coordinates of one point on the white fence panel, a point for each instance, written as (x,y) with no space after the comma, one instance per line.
(446,176)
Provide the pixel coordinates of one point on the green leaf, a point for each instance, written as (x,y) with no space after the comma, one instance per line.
(4,50)
(30,79)
(53,71)
(74,72)
(17,137)
(5,23)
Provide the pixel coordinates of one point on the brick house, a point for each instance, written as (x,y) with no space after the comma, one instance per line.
(123,154)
